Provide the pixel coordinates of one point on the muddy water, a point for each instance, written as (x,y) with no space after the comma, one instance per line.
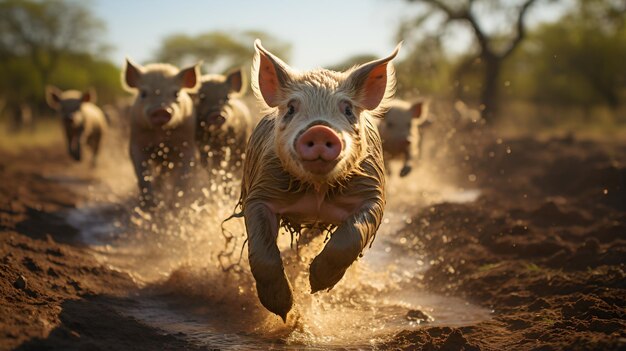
(179,260)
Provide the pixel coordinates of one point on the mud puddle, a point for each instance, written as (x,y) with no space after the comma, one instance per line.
(187,293)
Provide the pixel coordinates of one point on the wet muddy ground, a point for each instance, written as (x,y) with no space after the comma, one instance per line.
(514,244)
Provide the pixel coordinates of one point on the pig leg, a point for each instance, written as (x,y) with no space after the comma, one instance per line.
(204,155)
(408,163)
(94,144)
(344,247)
(144,175)
(73,143)
(272,285)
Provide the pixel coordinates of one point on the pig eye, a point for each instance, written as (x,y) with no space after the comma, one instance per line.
(291,110)
(143,94)
(389,124)
(346,109)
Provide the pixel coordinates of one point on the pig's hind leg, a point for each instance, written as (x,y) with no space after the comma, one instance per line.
(272,286)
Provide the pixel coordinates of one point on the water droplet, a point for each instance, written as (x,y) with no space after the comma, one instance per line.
(605,191)
(471,177)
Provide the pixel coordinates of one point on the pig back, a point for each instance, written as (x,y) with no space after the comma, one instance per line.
(94,119)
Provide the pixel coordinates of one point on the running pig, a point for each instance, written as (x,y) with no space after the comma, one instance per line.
(315,161)
(401,133)
(84,122)
(162,125)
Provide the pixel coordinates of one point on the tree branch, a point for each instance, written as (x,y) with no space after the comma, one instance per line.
(465,15)
(521,28)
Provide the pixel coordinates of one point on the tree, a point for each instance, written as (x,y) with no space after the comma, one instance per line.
(42,31)
(217,49)
(492,49)
(51,42)
(578,60)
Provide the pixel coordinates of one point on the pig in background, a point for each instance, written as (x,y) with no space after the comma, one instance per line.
(223,122)
(84,122)
(401,133)
(162,125)
(314,162)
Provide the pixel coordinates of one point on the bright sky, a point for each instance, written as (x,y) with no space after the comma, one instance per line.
(322,32)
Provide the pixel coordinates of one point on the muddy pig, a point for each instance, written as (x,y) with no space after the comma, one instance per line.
(223,122)
(400,132)
(162,125)
(314,162)
(84,122)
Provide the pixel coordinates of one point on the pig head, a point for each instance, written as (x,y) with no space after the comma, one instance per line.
(314,161)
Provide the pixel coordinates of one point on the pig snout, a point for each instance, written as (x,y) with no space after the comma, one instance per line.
(319,148)
(160,116)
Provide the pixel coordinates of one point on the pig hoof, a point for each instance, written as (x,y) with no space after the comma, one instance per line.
(323,276)
(276,296)
(405,171)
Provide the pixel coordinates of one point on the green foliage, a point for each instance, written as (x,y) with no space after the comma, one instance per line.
(426,70)
(579,60)
(51,42)
(218,50)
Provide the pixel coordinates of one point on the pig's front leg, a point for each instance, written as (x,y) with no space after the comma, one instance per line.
(144,175)
(183,169)
(408,163)
(272,285)
(344,247)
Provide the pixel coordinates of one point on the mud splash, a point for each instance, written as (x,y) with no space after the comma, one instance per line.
(175,257)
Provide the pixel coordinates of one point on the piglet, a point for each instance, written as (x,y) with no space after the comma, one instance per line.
(401,132)
(84,123)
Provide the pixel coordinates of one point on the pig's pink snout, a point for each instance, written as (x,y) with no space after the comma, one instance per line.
(319,143)
(160,116)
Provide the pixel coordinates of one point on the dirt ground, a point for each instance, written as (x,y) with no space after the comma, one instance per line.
(544,247)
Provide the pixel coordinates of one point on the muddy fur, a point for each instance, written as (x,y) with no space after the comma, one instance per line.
(84,123)
(348,201)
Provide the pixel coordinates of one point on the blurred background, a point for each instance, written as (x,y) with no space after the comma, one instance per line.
(528,66)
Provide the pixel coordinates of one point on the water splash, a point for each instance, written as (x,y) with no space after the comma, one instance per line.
(175,257)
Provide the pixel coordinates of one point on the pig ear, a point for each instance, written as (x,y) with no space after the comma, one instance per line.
(53,97)
(270,75)
(417,109)
(374,81)
(89,96)
(189,78)
(131,75)
(235,81)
